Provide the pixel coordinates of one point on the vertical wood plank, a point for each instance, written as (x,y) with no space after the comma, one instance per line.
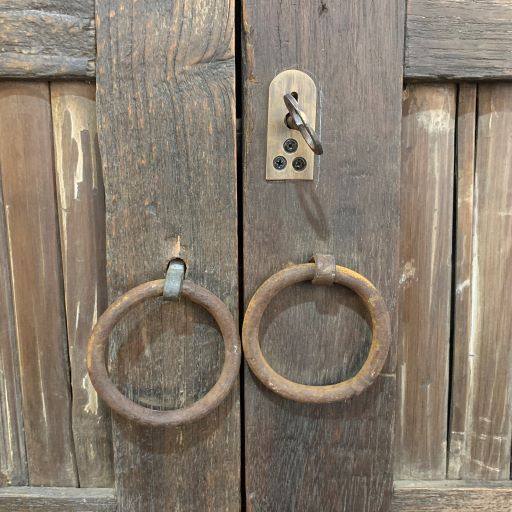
(332,457)
(481,437)
(13,462)
(81,203)
(466,149)
(26,164)
(426,193)
(165,103)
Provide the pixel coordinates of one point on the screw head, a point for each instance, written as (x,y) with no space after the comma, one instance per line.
(290,145)
(280,162)
(299,163)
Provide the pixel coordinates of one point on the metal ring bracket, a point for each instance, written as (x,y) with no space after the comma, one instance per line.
(381,335)
(98,344)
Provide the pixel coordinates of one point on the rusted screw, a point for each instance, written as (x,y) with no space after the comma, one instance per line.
(280,162)
(290,145)
(299,163)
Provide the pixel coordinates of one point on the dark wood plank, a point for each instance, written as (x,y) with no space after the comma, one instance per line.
(452,496)
(461,366)
(166,114)
(457,39)
(47,38)
(26,165)
(481,437)
(332,457)
(13,459)
(55,499)
(426,197)
(446,39)
(81,203)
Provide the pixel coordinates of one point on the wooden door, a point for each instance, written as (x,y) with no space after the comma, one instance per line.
(133,133)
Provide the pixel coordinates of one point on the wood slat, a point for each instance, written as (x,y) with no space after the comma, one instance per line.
(457,39)
(445,39)
(13,461)
(481,426)
(81,205)
(166,114)
(26,165)
(338,456)
(45,38)
(428,131)
(54,499)
(461,374)
(452,496)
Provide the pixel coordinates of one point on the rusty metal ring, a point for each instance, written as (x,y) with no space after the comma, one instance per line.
(98,344)
(381,336)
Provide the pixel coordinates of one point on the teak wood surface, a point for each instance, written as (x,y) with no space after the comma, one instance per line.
(339,456)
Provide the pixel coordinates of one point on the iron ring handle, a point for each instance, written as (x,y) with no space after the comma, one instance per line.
(98,344)
(381,335)
(297,120)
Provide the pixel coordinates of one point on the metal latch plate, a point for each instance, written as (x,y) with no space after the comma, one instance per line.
(300,83)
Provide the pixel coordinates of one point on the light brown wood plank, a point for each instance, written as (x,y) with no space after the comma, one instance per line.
(461,374)
(335,457)
(458,39)
(166,114)
(26,164)
(452,496)
(481,437)
(81,203)
(426,193)
(13,461)
(57,499)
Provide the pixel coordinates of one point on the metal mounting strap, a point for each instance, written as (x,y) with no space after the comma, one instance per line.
(174,280)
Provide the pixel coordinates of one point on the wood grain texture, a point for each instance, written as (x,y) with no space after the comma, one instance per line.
(26,165)
(81,203)
(13,459)
(458,39)
(55,499)
(166,114)
(47,38)
(446,39)
(481,433)
(452,496)
(426,196)
(331,457)
(461,374)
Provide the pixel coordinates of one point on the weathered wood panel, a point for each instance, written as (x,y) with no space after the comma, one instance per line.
(26,165)
(481,437)
(426,194)
(452,496)
(332,457)
(52,499)
(44,38)
(13,463)
(166,114)
(461,369)
(81,203)
(446,39)
(457,39)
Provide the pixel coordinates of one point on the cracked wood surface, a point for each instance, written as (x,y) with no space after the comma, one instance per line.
(445,39)
(81,206)
(166,126)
